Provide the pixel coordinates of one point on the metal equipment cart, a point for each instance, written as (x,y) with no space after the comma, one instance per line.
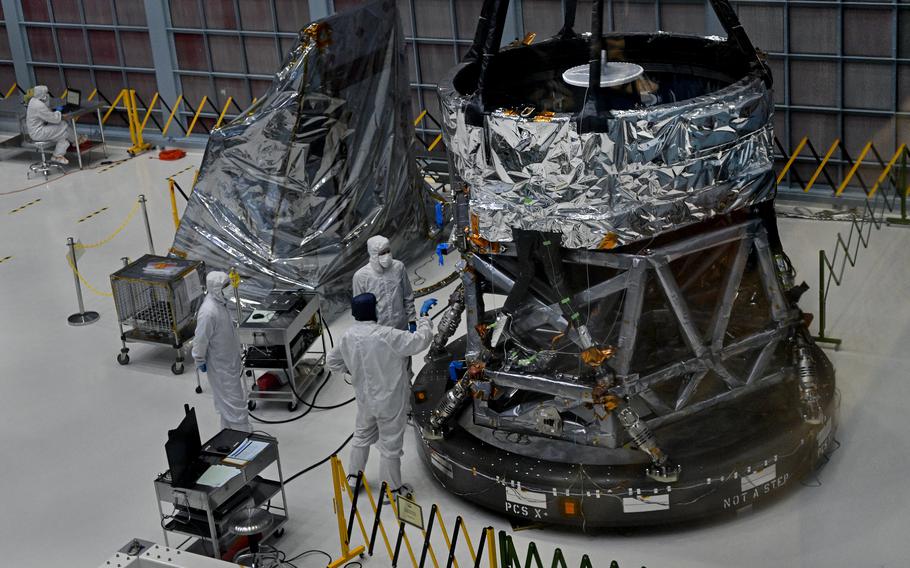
(157,299)
(203,512)
(279,337)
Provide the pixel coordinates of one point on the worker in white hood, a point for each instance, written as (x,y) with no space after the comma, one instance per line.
(46,125)
(376,357)
(216,350)
(387,279)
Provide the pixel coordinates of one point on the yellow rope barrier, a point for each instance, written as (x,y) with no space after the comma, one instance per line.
(116,232)
(69,260)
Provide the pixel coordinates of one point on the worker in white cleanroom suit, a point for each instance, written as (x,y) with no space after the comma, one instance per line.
(216,350)
(46,125)
(376,356)
(387,279)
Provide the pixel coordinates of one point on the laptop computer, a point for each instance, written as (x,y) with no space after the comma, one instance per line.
(183,449)
(73,100)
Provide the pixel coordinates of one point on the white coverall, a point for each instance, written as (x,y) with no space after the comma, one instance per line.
(391,286)
(376,358)
(44,124)
(218,346)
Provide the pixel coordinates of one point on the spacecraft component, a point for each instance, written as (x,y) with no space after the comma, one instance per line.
(650,361)
(290,190)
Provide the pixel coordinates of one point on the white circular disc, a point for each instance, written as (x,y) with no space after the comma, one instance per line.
(611,74)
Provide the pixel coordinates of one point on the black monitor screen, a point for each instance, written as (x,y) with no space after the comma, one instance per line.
(183,447)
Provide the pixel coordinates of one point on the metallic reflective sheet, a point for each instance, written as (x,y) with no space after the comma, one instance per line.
(291,189)
(654,170)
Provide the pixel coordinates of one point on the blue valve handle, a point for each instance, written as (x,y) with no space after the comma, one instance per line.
(440,219)
(441,251)
(455,369)
(427,306)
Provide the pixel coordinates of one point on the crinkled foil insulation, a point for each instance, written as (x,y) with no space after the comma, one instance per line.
(654,169)
(290,191)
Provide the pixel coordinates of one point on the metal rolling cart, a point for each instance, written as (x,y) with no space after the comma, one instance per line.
(204,512)
(279,337)
(157,299)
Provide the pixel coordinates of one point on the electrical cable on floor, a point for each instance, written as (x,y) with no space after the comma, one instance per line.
(320,462)
(45,182)
(313,551)
(305,412)
(312,405)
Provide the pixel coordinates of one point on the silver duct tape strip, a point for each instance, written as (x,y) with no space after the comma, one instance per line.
(654,170)
(290,190)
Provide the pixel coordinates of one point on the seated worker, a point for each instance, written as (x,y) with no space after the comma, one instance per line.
(46,125)
(376,356)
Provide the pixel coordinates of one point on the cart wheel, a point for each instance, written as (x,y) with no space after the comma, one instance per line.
(279,533)
(177,368)
(123,359)
(198,390)
(292,406)
(249,372)
(251,405)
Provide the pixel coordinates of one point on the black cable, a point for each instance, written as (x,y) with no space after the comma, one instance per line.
(313,551)
(311,405)
(304,413)
(332,407)
(320,462)
(327,329)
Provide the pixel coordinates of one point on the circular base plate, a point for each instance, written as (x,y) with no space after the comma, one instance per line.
(84,318)
(612,74)
(732,457)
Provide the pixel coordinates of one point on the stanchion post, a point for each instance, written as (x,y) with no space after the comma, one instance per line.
(173,204)
(83,317)
(235,282)
(148,228)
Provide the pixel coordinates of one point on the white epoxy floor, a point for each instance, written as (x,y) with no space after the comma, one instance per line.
(82,437)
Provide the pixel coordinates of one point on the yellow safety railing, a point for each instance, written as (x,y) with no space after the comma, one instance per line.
(799,148)
(849,176)
(224,111)
(881,178)
(821,165)
(432,145)
(485,555)
(170,118)
(339,485)
(127,99)
(196,116)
